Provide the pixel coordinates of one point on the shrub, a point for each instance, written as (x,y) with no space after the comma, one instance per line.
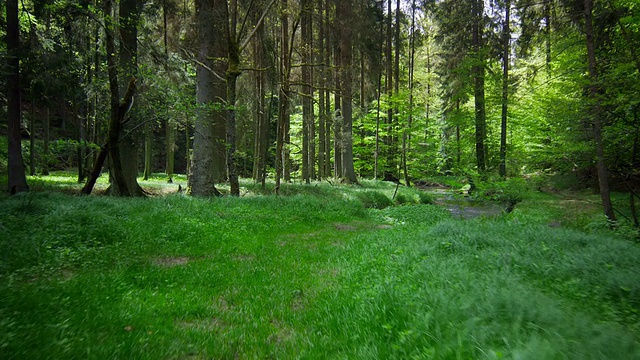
(425,198)
(374,199)
(403,199)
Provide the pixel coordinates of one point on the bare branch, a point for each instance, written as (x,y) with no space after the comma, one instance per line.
(255,29)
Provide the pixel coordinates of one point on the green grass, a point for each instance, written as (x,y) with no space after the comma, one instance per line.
(314,274)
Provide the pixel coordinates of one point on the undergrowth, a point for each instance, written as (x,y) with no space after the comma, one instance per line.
(317,273)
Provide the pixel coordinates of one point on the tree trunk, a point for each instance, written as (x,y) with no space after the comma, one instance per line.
(345,62)
(328,76)
(261,136)
(406,136)
(396,90)
(307,90)
(17,179)
(171,148)
(389,88)
(47,136)
(147,150)
(32,139)
(322,111)
(337,121)
(208,160)
(283,95)
(478,84)
(505,89)
(596,111)
(126,142)
(233,72)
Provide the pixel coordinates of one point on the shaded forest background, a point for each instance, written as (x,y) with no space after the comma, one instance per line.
(305,90)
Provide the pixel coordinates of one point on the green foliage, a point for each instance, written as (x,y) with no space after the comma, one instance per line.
(372,199)
(402,198)
(310,275)
(511,191)
(425,198)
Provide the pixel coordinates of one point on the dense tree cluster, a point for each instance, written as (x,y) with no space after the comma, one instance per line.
(312,89)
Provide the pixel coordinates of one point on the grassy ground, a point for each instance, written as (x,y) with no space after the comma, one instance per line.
(319,273)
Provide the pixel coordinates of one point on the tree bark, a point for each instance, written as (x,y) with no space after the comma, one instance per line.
(322,110)
(307,89)
(261,138)
(505,89)
(147,151)
(233,72)
(346,58)
(596,111)
(478,84)
(283,94)
(47,137)
(17,179)
(406,136)
(388,137)
(127,138)
(208,160)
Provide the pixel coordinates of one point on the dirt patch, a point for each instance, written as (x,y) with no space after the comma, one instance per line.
(282,333)
(171,261)
(345,227)
(244,257)
(209,324)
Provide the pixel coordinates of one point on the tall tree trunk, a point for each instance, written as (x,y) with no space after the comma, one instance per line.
(427,114)
(307,89)
(322,111)
(170,130)
(388,142)
(338,116)
(328,79)
(171,148)
(406,136)
(345,63)
(506,43)
(396,90)
(46,129)
(478,70)
(82,140)
(17,179)
(147,150)
(127,144)
(118,181)
(233,72)
(284,94)
(262,119)
(596,111)
(32,139)
(208,160)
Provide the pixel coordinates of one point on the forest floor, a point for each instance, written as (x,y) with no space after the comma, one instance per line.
(325,271)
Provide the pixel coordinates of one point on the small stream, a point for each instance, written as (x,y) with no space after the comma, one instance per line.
(461,206)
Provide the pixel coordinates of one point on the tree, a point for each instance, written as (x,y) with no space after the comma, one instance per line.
(478,71)
(17,179)
(284,95)
(323,157)
(345,62)
(207,166)
(596,111)
(262,117)
(306,20)
(506,33)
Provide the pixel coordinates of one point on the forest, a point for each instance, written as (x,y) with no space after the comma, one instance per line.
(432,179)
